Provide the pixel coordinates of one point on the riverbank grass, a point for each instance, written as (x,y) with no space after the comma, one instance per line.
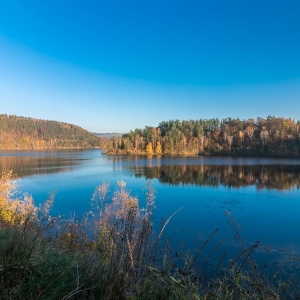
(112,253)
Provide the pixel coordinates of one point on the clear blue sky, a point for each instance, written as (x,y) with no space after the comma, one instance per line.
(112,66)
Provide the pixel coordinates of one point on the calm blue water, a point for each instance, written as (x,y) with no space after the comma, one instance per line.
(261,194)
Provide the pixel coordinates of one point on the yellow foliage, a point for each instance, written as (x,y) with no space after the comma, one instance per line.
(7,185)
(158,149)
(13,211)
(149,148)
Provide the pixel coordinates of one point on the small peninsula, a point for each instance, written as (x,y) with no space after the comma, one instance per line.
(270,137)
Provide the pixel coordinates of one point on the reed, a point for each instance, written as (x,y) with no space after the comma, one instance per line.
(113,253)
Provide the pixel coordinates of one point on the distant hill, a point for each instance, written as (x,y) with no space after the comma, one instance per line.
(28,133)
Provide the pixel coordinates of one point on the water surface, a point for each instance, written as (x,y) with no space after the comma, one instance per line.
(261,194)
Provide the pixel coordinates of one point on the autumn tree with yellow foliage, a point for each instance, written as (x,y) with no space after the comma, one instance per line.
(158,149)
(149,148)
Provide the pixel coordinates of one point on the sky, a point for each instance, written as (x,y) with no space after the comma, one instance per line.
(113,66)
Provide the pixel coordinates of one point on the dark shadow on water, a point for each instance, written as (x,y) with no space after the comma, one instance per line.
(27,163)
(279,177)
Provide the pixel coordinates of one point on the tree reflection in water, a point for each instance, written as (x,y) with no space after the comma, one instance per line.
(24,166)
(279,177)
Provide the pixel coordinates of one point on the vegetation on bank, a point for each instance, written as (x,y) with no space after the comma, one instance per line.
(113,254)
(261,137)
(28,133)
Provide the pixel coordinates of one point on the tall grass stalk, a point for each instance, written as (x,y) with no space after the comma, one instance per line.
(113,254)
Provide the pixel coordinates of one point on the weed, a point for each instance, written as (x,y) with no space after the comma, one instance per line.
(113,254)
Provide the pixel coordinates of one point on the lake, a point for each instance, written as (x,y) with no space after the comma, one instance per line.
(261,194)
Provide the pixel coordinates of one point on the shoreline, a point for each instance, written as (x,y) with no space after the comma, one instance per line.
(226,154)
(48,149)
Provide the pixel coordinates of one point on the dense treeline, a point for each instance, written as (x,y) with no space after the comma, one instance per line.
(28,133)
(263,137)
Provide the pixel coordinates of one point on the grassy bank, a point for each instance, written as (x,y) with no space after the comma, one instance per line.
(112,253)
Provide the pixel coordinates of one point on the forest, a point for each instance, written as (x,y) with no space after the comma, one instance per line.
(28,133)
(271,136)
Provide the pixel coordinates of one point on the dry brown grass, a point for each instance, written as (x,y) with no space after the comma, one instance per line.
(112,254)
